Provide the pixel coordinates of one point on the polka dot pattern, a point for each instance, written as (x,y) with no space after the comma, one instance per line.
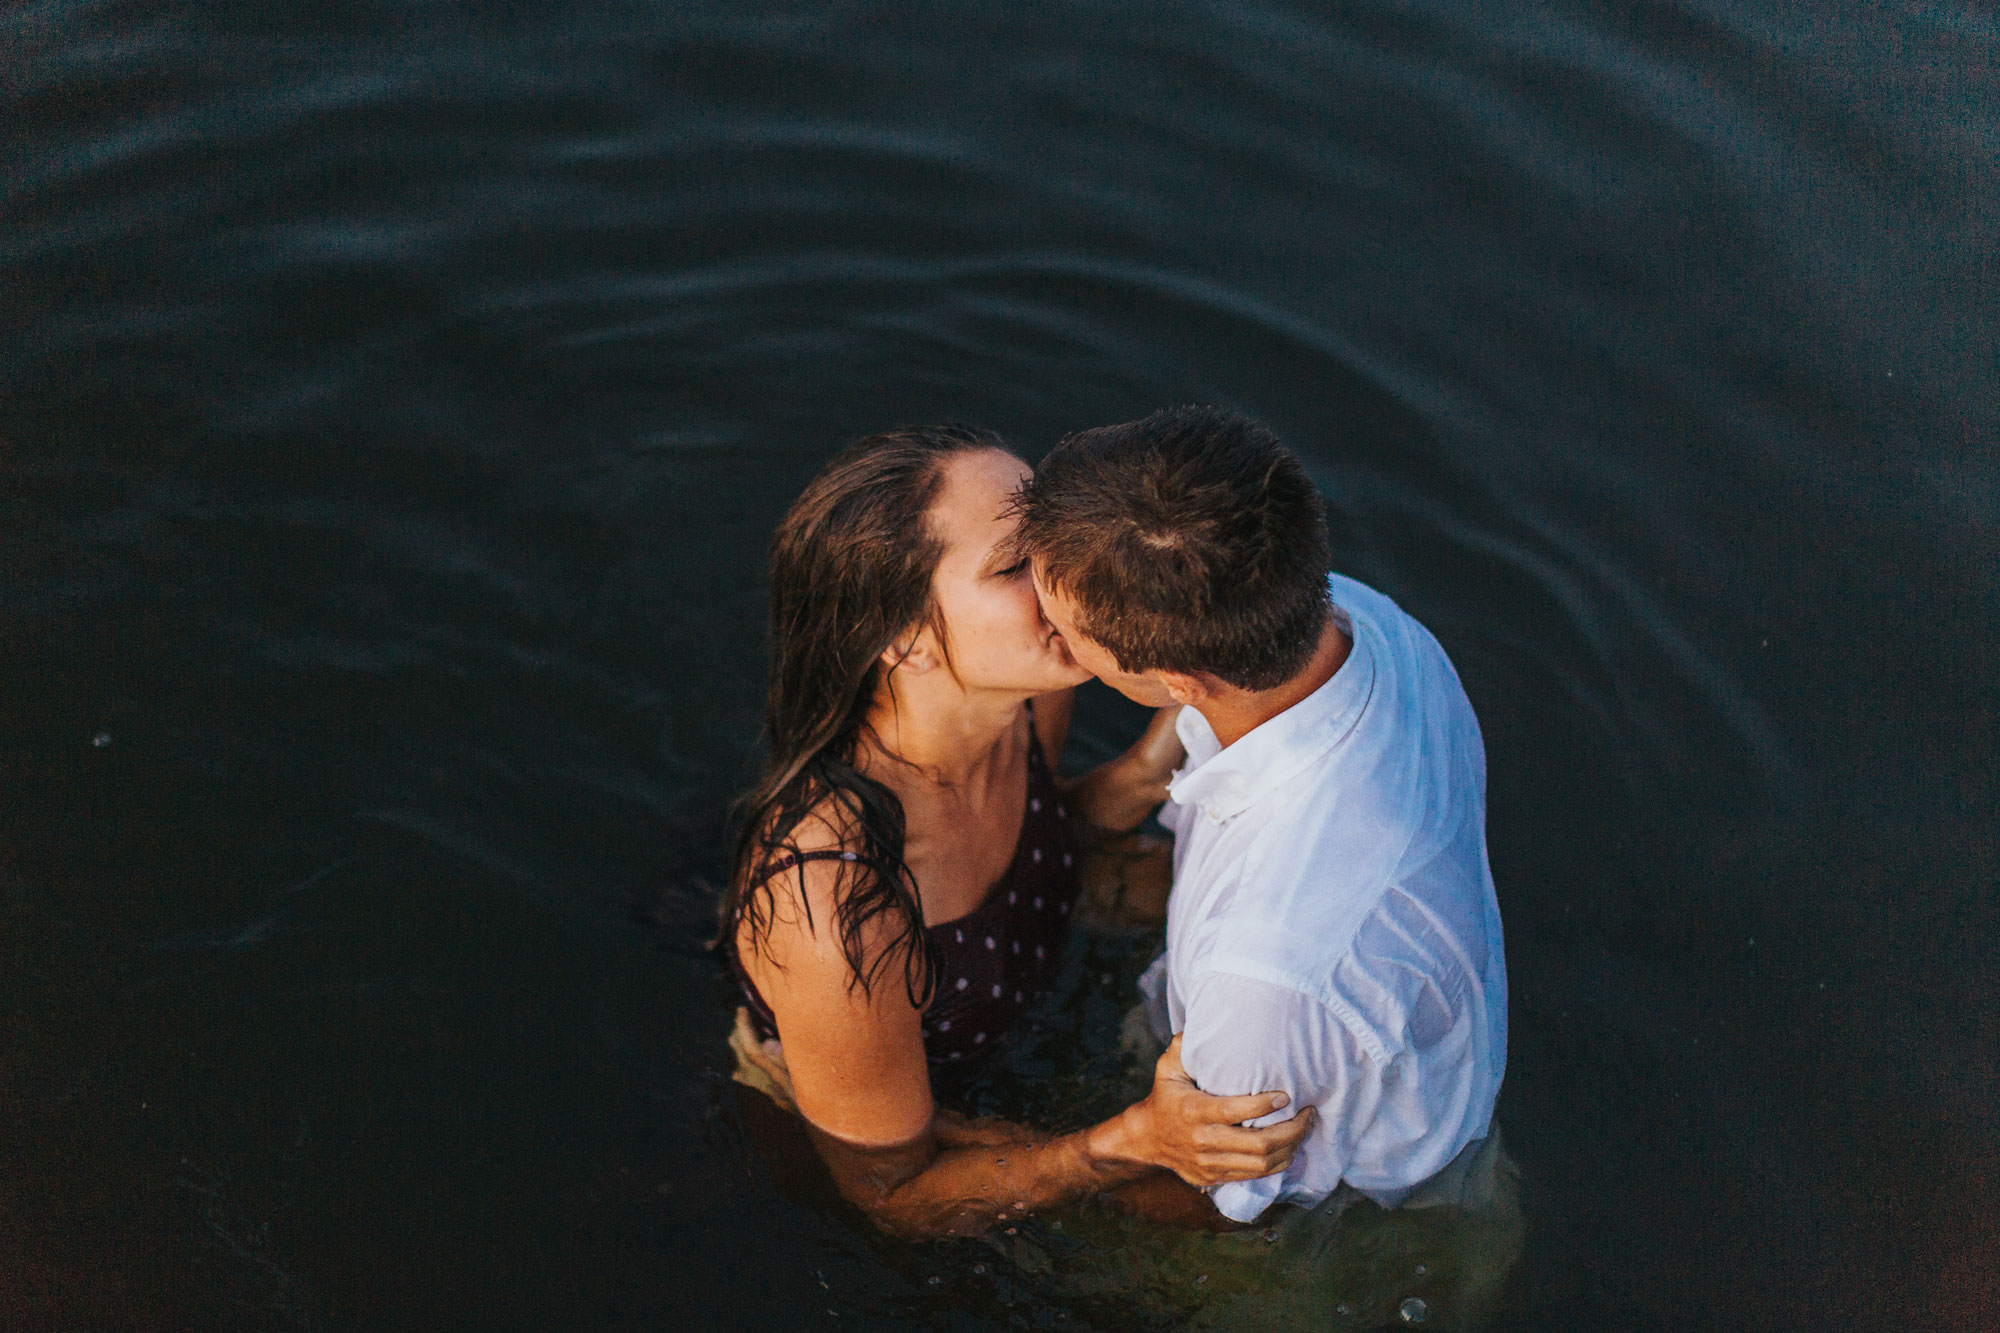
(1008,948)
(997,959)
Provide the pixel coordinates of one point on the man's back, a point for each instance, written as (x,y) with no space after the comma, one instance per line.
(1333,929)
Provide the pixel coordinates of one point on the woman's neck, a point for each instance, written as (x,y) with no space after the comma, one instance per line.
(947,734)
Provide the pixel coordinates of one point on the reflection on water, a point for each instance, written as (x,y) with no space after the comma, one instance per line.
(1345,1265)
(1442,1259)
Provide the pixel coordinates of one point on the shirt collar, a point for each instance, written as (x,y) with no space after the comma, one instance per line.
(1226,782)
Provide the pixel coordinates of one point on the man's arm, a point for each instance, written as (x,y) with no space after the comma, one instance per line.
(1247,1032)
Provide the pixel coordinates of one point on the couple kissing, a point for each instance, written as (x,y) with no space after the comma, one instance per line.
(1332,996)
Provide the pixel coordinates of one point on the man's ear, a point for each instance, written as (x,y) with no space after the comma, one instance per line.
(1185,689)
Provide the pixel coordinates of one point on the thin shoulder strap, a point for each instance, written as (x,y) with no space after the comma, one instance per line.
(790,859)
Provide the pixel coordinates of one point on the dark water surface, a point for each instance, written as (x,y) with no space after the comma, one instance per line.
(394,402)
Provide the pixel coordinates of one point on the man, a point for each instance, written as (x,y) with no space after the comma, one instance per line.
(1332,929)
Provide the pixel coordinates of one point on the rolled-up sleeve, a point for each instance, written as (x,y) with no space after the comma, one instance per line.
(1246,1035)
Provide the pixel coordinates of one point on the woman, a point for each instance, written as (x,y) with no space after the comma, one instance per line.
(906,868)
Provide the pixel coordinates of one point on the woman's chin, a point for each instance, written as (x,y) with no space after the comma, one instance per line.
(1056,670)
(1070,675)
(1066,667)
(1051,678)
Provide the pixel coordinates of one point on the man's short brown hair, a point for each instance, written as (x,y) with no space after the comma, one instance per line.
(1191,541)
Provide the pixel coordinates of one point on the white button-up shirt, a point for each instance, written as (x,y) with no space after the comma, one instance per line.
(1332,930)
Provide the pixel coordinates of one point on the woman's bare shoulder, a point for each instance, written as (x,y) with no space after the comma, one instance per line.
(807,876)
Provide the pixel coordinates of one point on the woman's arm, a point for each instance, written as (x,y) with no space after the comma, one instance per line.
(1120,792)
(952,1179)
(856,1067)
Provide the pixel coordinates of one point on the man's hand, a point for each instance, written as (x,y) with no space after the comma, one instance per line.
(1201,1138)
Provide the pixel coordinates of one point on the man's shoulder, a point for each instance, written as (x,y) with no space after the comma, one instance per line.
(1353,598)
(1407,639)
(1348,592)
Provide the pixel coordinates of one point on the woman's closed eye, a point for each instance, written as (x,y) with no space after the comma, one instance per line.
(1011,571)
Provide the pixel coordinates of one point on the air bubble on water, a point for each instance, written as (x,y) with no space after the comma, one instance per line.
(1423,1269)
(1270,1235)
(935,1281)
(979,1270)
(101,739)
(1343,1310)
(1199,1281)
(1414,1310)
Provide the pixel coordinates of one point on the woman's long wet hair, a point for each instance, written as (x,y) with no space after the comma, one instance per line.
(851,568)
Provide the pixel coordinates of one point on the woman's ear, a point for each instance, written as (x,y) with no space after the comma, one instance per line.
(910,652)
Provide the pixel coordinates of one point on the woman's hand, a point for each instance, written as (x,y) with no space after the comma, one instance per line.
(1198,1137)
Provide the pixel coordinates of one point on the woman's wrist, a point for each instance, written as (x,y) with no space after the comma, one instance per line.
(1119,794)
(1142,783)
(1119,1147)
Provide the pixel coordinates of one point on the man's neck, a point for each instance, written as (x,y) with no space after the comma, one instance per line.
(1233,714)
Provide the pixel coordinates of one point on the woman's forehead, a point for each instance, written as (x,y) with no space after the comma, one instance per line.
(976,491)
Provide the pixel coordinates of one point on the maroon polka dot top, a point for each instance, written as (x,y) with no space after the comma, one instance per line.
(996,959)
